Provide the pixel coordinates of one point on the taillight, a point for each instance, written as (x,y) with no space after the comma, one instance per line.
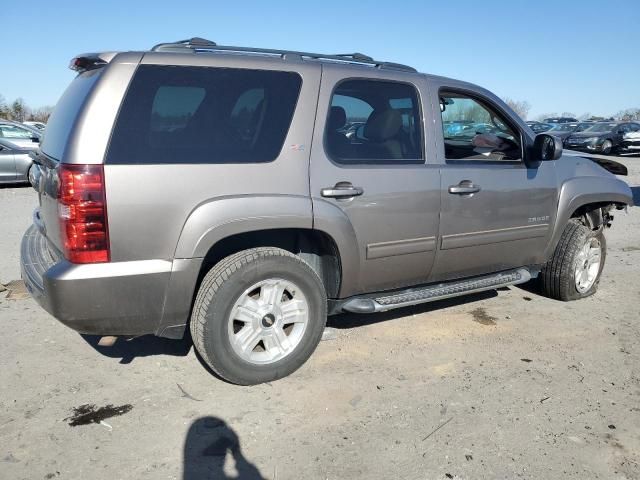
(82,208)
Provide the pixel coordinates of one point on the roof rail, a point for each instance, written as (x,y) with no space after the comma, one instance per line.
(200,44)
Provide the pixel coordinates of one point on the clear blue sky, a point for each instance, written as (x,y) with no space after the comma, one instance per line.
(571,55)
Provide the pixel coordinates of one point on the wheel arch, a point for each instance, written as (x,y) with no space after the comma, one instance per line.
(586,197)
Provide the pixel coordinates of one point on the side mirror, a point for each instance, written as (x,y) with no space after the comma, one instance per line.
(547,147)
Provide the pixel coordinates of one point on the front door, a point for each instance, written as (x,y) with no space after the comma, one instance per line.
(368,167)
(7,165)
(497,211)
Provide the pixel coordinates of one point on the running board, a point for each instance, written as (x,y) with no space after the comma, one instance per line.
(431,293)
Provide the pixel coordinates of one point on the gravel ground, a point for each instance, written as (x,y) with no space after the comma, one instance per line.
(506,384)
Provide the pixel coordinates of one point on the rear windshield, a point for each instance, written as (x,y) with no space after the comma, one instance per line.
(204,115)
(64,115)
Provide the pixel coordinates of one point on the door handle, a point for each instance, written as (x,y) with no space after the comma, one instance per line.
(465,187)
(342,190)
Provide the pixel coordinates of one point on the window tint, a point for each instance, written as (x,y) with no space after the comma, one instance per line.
(474,131)
(374,122)
(204,115)
(173,107)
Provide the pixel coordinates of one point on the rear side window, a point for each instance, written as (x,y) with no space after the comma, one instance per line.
(204,115)
(66,112)
(373,121)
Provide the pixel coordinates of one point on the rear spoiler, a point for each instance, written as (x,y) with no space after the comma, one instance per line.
(89,61)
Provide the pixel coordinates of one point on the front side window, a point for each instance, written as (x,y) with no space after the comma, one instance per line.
(374,121)
(473,130)
(204,115)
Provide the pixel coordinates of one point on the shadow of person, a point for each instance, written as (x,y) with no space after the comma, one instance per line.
(210,441)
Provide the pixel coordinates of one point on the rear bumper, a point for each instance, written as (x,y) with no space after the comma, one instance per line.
(118,298)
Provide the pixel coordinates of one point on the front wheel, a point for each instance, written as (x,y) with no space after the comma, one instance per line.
(607,147)
(574,270)
(259,315)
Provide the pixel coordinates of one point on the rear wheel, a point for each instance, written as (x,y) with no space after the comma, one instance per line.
(258,316)
(574,270)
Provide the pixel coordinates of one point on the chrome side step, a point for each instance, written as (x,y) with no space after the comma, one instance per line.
(431,293)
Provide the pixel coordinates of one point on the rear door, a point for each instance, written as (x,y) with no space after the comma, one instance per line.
(497,211)
(369,163)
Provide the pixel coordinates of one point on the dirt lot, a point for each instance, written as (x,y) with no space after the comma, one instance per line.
(502,385)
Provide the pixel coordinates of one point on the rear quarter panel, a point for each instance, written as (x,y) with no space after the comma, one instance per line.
(151,206)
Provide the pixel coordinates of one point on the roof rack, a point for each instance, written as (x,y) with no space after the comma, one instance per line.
(200,44)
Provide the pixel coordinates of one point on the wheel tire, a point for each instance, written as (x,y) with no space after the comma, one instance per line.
(221,290)
(558,276)
(607,147)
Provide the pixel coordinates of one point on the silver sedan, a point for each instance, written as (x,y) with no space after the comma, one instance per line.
(14,163)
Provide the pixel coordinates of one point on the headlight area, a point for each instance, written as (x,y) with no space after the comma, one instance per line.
(592,143)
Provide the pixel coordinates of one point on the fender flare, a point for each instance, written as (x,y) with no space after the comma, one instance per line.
(580,191)
(222,217)
(333,222)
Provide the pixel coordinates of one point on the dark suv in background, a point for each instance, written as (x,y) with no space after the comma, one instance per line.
(601,137)
(215,189)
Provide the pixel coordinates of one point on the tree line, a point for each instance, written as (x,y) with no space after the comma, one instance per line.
(522,108)
(19,111)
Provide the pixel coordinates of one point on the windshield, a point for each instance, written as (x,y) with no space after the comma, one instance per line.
(14,131)
(601,127)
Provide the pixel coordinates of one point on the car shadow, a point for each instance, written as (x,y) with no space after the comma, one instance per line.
(147,345)
(208,444)
(8,186)
(636,196)
(354,320)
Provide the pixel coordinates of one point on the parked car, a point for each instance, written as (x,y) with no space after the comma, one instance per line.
(14,163)
(564,130)
(561,120)
(38,125)
(603,137)
(254,217)
(541,127)
(630,143)
(20,135)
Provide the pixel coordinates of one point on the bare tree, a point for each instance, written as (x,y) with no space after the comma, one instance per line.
(521,107)
(628,114)
(569,114)
(584,116)
(41,114)
(4,108)
(543,116)
(19,110)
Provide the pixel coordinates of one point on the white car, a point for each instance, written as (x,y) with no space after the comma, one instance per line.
(20,135)
(38,125)
(630,143)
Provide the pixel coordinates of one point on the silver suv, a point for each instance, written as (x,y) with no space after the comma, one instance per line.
(246,194)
